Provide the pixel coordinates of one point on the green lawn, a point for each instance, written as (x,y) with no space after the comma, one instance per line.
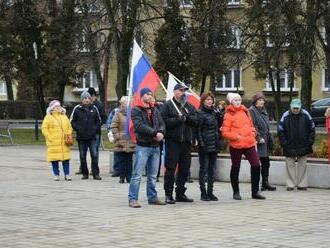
(27,137)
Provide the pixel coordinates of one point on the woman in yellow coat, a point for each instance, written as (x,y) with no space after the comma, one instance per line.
(54,127)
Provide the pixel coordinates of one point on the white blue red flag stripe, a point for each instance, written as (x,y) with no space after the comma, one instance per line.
(142,75)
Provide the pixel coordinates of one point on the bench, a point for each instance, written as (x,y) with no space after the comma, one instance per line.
(5,131)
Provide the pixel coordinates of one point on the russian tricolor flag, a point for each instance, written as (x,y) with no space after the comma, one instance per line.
(142,75)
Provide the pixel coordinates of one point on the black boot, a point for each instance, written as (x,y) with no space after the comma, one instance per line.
(265,164)
(234,173)
(210,191)
(204,196)
(169,199)
(181,197)
(255,178)
(266,185)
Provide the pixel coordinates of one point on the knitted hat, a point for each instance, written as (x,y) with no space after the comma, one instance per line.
(257,96)
(53,104)
(84,95)
(295,103)
(91,91)
(144,91)
(232,96)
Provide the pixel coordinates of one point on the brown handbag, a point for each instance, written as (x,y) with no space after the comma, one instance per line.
(68,139)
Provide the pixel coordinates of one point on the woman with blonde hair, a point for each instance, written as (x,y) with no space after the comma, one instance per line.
(56,127)
(327,125)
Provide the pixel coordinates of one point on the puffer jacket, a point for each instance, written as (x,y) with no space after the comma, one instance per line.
(123,142)
(146,129)
(208,130)
(178,128)
(86,121)
(54,127)
(238,127)
(296,133)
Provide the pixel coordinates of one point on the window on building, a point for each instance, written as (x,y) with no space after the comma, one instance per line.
(285,78)
(325,80)
(280,35)
(86,80)
(230,80)
(82,45)
(235,39)
(323,33)
(234,2)
(186,3)
(3,89)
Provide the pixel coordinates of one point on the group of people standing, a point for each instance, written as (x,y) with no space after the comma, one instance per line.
(86,119)
(179,125)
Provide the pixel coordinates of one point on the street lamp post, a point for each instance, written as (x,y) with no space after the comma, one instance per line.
(36,125)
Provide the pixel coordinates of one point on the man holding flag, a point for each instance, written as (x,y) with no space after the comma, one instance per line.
(180,118)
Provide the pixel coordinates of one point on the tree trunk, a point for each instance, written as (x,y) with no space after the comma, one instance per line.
(9,85)
(276,95)
(204,76)
(212,83)
(306,86)
(123,64)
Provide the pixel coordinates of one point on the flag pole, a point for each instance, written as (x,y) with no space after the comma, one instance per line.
(198,97)
(176,107)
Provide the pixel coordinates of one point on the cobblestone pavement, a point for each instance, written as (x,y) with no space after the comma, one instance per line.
(36,211)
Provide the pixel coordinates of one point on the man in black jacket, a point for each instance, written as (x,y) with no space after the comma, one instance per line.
(179,127)
(86,121)
(296,132)
(149,129)
(100,108)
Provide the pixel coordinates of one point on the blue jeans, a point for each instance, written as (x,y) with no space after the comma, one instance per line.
(84,145)
(98,142)
(66,167)
(144,157)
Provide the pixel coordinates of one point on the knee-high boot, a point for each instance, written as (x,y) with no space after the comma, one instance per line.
(255,178)
(234,174)
(265,164)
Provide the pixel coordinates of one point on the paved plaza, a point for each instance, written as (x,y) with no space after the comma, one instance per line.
(36,211)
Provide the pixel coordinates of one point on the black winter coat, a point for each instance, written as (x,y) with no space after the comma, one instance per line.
(296,133)
(145,129)
(86,121)
(179,128)
(208,130)
(100,108)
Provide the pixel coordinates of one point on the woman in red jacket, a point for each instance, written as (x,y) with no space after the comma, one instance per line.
(327,125)
(238,128)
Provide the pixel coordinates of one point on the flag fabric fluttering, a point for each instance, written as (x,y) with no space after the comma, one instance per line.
(142,75)
(191,97)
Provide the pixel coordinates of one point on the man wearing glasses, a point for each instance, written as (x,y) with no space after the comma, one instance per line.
(296,132)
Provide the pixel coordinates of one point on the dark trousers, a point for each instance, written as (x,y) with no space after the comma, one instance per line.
(176,154)
(84,145)
(160,159)
(253,158)
(265,164)
(207,163)
(116,164)
(125,163)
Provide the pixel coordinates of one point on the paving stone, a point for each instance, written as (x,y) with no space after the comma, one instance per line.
(37,212)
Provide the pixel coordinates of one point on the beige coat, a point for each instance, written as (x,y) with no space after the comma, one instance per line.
(122,142)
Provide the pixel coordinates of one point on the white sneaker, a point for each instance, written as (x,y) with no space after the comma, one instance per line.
(56,178)
(67,178)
